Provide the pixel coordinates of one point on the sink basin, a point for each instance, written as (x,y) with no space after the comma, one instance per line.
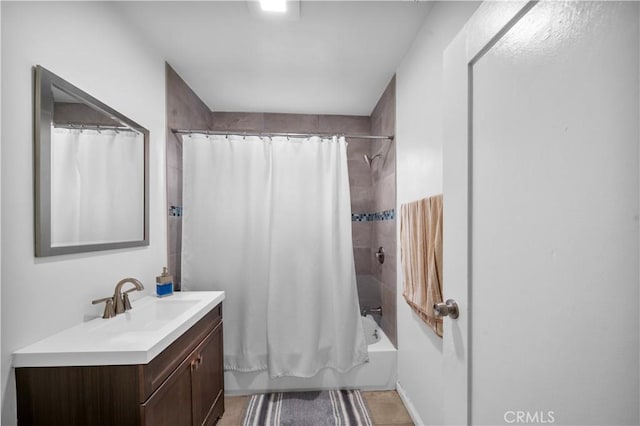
(148,317)
(134,337)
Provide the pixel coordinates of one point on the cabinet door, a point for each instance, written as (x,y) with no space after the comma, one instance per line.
(171,404)
(208,385)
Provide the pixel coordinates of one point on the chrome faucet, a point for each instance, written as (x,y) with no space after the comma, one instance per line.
(121,299)
(377,311)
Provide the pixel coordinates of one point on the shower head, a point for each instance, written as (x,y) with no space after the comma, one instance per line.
(369,160)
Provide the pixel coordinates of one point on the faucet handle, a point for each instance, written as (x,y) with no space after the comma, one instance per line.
(126,302)
(104,299)
(109,311)
(125,298)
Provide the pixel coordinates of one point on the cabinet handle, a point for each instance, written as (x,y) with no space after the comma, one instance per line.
(199,359)
(194,364)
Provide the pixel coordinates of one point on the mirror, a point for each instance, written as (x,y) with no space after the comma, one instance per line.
(91,172)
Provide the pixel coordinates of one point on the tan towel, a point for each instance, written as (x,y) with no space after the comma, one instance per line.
(421,257)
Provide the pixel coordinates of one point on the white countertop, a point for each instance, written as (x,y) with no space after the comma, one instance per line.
(134,337)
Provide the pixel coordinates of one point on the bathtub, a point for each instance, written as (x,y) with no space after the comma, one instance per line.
(378,374)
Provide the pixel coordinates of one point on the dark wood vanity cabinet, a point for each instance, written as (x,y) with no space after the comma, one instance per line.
(188,397)
(182,386)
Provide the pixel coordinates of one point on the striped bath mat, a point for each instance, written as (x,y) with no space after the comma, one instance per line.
(326,408)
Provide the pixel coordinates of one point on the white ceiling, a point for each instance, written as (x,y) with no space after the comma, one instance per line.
(336,58)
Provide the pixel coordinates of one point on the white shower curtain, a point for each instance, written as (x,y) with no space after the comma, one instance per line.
(268,221)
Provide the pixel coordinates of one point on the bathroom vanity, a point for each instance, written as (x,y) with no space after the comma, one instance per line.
(159,364)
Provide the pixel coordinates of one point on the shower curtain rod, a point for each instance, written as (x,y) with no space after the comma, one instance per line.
(254,133)
(93,127)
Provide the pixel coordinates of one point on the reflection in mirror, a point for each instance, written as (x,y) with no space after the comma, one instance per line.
(91,172)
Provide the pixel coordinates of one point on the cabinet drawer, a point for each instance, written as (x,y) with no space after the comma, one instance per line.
(157,371)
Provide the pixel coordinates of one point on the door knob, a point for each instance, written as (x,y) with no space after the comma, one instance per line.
(446,309)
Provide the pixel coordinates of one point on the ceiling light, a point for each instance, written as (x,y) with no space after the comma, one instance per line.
(273,5)
(264,10)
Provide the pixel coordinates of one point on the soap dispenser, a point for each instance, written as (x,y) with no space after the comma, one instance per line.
(164,284)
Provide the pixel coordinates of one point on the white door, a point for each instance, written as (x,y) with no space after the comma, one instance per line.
(541,215)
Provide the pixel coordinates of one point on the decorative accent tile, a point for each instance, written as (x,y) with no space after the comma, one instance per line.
(175,211)
(370,217)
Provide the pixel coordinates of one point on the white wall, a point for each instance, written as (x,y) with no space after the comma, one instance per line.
(419,133)
(86,44)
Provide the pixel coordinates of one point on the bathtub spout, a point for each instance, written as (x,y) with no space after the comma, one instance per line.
(377,311)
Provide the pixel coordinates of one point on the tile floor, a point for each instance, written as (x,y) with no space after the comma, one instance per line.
(385,407)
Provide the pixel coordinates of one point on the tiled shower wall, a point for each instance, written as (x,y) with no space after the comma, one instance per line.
(372,188)
(383,196)
(184,111)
